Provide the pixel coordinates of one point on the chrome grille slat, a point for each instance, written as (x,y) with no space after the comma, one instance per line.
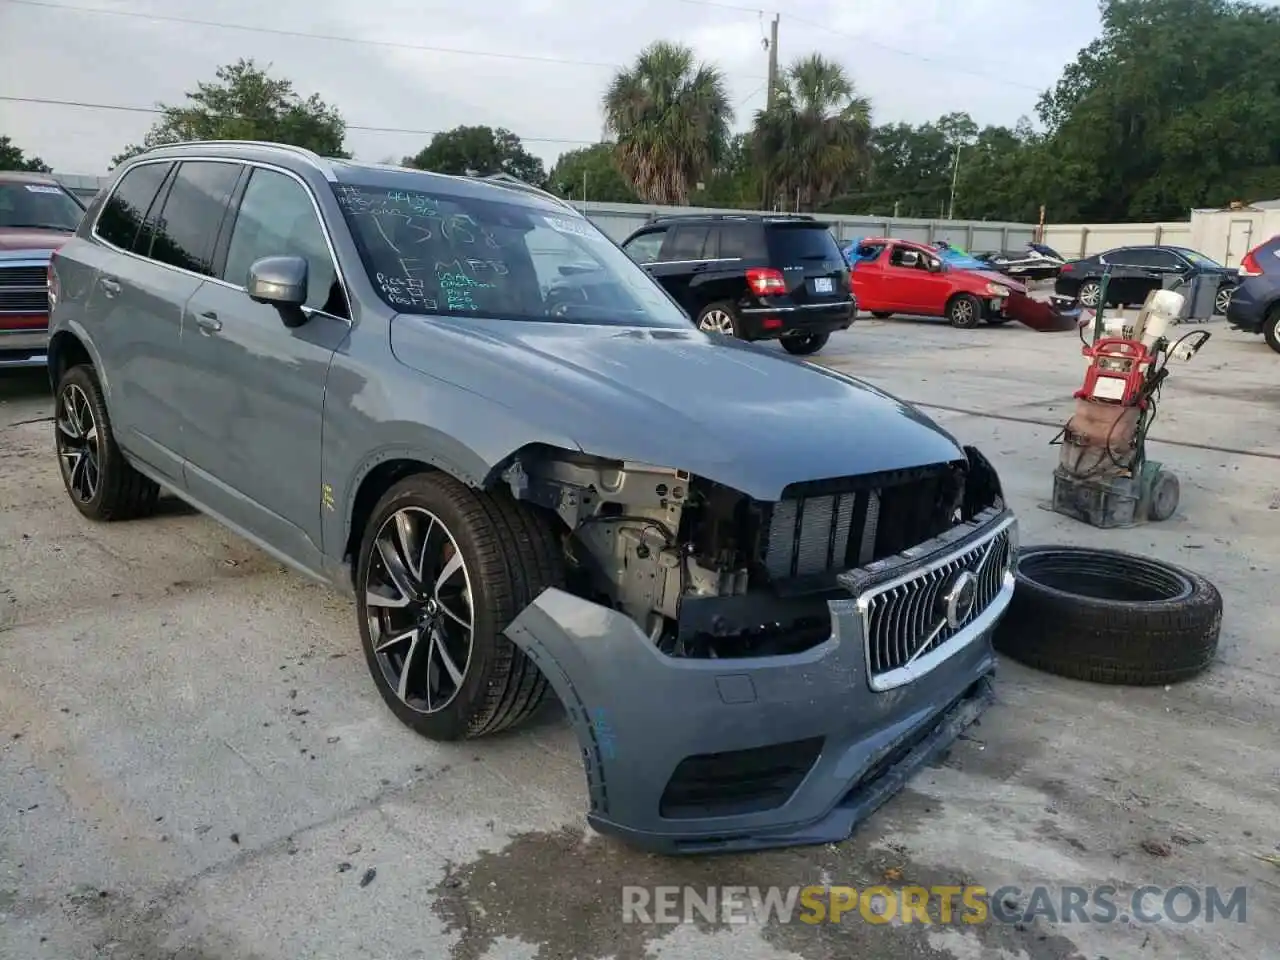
(898,618)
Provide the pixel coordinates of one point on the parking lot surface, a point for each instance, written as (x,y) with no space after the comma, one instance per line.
(194,763)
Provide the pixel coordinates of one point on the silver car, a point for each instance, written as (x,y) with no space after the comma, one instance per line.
(762,590)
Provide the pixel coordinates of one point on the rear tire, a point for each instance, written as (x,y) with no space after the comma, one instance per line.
(464,682)
(805,346)
(720,318)
(964,311)
(102,484)
(1271,328)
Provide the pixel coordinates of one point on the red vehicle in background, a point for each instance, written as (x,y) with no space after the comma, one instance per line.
(37,216)
(900,276)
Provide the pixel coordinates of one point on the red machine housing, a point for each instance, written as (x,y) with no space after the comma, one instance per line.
(1117,372)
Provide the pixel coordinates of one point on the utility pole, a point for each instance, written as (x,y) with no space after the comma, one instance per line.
(773,62)
(766,201)
(955,172)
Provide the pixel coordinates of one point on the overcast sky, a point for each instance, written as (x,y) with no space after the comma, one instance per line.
(909,57)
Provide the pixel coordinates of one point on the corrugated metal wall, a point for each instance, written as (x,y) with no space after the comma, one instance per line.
(976,236)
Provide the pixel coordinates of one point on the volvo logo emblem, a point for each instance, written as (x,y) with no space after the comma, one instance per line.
(958,599)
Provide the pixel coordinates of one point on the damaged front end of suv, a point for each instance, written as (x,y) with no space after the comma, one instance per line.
(744,674)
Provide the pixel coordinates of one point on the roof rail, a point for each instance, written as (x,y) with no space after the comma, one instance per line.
(515,183)
(744,215)
(317,161)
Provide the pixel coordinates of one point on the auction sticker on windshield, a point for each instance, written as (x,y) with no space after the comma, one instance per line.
(577,228)
(42,188)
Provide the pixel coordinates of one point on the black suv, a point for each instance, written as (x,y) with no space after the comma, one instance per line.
(751,276)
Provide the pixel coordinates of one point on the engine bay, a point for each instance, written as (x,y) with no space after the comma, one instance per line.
(708,572)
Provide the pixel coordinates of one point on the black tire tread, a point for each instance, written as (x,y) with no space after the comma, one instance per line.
(126,494)
(1112,642)
(1271,328)
(805,346)
(518,558)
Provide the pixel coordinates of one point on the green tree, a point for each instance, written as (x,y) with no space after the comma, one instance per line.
(815,141)
(11,158)
(591,173)
(1176,104)
(910,172)
(244,103)
(670,119)
(735,180)
(481,151)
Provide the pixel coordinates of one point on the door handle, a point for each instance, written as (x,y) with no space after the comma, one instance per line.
(208,323)
(110,286)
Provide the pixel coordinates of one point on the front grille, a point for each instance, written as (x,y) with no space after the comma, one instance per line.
(738,782)
(822,530)
(908,619)
(24,290)
(23,277)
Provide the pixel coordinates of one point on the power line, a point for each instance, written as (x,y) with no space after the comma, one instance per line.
(333,38)
(44,101)
(955,66)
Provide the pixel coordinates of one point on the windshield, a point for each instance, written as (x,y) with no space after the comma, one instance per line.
(430,253)
(43,206)
(962,261)
(1199,259)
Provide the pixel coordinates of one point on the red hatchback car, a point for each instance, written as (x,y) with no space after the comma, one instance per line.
(899,276)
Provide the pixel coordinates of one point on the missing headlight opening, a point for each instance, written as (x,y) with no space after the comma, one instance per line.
(708,572)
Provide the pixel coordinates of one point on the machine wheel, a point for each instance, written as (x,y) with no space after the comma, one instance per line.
(443,569)
(1271,329)
(964,311)
(719,318)
(1165,492)
(102,484)
(806,345)
(881,314)
(1109,617)
(1222,300)
(1089,294)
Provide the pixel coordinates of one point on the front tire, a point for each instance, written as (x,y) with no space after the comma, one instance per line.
(102,484)
(443,570)
(964,311)
(806,345)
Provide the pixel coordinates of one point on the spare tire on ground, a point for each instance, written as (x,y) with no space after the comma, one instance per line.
(1109,617)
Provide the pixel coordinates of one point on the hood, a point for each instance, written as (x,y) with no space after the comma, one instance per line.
(992,276)
(742,415)
(23,238)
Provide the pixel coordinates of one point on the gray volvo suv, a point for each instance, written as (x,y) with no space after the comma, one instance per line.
(762,590)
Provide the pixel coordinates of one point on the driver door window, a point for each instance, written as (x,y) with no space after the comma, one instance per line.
(278,219)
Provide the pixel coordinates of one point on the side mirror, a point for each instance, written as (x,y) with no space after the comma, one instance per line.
(282,283)
(934,266)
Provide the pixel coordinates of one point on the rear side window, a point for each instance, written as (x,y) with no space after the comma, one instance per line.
(741,241)
(797,244)
(192,213)
(121,219)
(687,243)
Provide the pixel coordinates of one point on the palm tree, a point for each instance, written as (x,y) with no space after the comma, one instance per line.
(815,140)
(670,118)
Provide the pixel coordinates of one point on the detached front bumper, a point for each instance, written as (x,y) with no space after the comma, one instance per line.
(702,755)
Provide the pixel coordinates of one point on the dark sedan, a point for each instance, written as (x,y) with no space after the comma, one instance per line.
(1136,271)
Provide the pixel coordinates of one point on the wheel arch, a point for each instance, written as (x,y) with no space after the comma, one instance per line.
(67,350)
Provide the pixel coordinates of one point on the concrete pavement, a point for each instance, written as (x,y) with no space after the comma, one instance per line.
(194,763)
